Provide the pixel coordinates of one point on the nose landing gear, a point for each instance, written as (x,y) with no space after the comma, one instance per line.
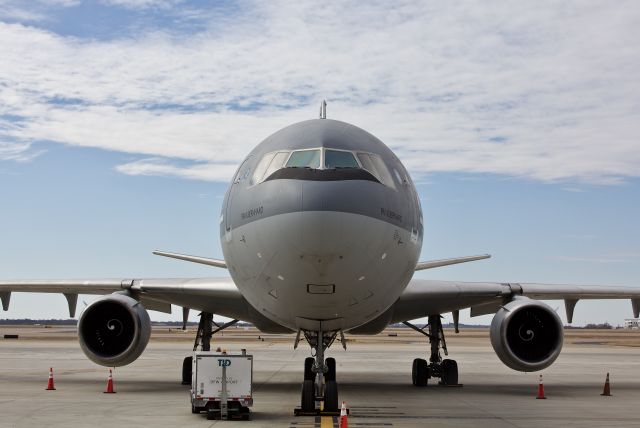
(319,388)
(444,369)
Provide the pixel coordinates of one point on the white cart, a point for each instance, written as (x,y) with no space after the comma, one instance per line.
(221,385)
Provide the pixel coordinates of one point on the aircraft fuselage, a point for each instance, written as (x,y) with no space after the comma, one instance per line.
(321,227)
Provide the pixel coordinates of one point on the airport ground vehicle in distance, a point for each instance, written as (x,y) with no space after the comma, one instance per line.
(321,231)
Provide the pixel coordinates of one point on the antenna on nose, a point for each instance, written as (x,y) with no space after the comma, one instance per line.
(323,109)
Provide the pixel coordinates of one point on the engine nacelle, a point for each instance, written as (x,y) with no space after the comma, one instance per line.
(114,330)
(527,334)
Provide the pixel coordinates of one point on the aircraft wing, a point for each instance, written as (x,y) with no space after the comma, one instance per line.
(426,297)
(216,295)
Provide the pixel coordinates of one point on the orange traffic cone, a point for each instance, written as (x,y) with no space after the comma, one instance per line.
(541,390)
(607,388)
(110,384)
(50,386)
(343,416)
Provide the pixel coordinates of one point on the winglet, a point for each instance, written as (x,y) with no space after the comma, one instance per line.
(193,259)
(446,262)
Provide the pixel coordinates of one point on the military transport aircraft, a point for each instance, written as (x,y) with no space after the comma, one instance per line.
(321,230)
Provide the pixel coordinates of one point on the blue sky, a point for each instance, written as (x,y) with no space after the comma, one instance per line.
(122,120)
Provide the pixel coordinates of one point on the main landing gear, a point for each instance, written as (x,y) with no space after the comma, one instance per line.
(319,384)
(446,370)
(203,340)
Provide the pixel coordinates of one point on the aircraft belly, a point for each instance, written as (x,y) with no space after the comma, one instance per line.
(324,269)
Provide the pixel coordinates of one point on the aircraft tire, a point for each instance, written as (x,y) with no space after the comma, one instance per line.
(330,375)
(308,399)
(331,396)
(308,372)
(449,372)
(420,372)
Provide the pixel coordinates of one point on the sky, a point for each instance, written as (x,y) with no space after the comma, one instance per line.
(122,121)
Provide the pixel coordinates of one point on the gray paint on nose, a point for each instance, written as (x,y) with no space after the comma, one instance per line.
(307,191)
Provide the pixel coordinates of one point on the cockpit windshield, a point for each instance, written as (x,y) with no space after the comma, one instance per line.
(323,159)
(339,159)
(304,159)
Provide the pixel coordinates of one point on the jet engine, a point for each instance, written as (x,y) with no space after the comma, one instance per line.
(114,330)
(526,334)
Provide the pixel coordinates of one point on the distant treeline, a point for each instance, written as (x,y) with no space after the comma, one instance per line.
(27,321)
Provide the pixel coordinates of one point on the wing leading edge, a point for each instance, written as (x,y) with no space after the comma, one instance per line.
(447,262)
(215,295)
(427,297)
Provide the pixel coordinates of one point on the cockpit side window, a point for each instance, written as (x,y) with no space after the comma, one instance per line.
(270,163)
(243,171)
(261,168)
(374,164)
(304,159)
(339,159)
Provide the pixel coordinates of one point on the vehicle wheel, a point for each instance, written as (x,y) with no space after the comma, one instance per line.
(186,370)
(245,414)
(194,409)
(449,372)
(330,375)
(308,372)
(420,372)
(331,396)
(308,400)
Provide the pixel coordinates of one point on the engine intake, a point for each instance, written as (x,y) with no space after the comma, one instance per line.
(114,330)
(527,334)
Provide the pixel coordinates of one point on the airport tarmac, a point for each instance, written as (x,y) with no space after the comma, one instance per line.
(374,376)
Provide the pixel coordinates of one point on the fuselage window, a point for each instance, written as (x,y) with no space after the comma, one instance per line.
(304,159)
(374,164)
(339,159)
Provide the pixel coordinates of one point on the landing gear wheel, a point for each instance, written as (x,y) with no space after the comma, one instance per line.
(449,372)
(187,365)
(420,372)
(308,399)
(331,396)
(308,372)
(330,375)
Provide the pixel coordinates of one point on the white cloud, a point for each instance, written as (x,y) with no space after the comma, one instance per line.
(155,166)
(31,12)
(142,4)
(61,3)
(540,91)
(19,152)
(9,11)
